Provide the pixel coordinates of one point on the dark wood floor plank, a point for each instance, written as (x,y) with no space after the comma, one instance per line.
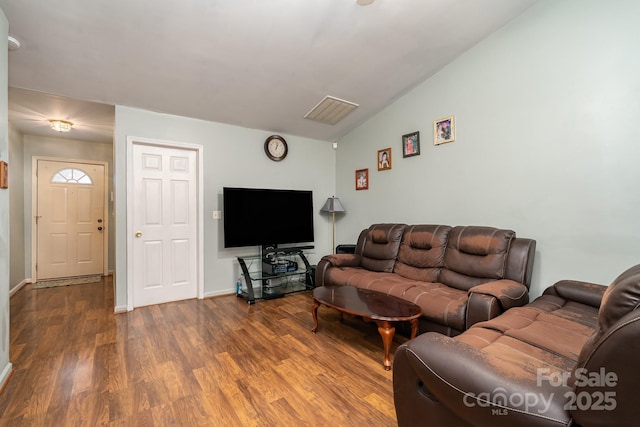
(212,362)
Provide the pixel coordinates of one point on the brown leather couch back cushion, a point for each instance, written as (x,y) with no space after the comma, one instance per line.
(380,246)
(621,297)
(475,255)
(421,253)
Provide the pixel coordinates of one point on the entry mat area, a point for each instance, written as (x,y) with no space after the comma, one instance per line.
(80,280)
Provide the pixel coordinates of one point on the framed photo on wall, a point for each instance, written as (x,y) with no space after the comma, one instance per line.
(443,130)
(362,179)
(4,174)
(411,144)
(384,159)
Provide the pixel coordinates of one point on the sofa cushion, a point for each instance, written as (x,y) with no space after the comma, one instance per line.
(439,303)
(380,246)
(511,355)
(555,335)
(550,323)
(366,279)
(379,236)
(475,255)
(345,275)
(421,252)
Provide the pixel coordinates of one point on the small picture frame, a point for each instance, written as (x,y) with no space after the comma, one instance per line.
(4,174)
(411,144)
(362,179)
(384,159)
(443,130)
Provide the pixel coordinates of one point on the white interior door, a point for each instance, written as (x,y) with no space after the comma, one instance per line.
(165,258)
(69,219)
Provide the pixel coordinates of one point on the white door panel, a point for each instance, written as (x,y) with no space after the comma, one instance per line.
(70,211)
(165,214)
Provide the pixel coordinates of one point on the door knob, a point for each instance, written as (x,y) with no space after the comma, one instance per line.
(99,228)
(138,233)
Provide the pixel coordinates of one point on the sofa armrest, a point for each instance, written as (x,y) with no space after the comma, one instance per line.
(343,260)
(578,291)
(508,292)
(438,380)
(335,260)
(491,299)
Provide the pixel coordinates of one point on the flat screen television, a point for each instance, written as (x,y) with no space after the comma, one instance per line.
(266,217)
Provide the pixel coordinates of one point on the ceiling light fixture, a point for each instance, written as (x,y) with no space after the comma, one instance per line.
(14,43)
(61,125)
(364,2)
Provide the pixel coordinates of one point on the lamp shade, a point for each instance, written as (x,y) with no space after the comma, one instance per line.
(332,205)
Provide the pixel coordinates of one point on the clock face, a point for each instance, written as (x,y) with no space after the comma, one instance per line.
(276,147)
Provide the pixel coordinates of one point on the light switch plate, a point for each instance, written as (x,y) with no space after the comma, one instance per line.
(217,215)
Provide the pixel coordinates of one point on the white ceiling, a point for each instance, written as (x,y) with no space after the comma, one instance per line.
(260,64)
(31,111)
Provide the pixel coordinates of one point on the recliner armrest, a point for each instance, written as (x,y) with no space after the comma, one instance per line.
(332,261)
(578,291)
(508,292)
(343,260)
(491,299)
(448,382)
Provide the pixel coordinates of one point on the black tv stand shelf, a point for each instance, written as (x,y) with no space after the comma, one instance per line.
(274,273)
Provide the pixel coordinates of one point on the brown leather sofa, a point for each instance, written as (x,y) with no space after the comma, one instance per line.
(457,275)
(569,358)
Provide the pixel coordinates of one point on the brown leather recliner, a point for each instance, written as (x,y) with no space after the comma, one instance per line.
(568,358)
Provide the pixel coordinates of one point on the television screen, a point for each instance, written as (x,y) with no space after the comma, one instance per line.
(257,216)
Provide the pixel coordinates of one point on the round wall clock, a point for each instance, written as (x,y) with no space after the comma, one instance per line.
(275,147)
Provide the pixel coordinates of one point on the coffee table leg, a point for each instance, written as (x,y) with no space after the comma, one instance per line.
(314,313)
(414,328)
(386,332)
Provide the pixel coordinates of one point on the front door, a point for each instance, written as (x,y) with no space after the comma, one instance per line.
(165,252)
(69,219)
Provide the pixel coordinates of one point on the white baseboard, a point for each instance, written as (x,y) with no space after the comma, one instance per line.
(4,376)
(120,309)
(18,287)
(219,293)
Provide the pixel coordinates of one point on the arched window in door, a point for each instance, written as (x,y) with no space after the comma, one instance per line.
(71,176)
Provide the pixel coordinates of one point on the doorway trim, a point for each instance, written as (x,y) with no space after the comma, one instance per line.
(131,141)
(34,209)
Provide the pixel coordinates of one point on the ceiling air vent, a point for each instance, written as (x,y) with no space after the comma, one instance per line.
(331,110)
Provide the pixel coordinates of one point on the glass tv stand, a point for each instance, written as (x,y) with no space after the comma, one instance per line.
(274,273)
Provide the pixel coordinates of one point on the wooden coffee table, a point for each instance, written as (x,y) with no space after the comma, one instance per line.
(370,305)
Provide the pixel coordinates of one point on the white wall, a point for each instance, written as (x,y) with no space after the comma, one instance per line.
(66,149)
(18,270)
(547,142)
(5,365)
(233,156)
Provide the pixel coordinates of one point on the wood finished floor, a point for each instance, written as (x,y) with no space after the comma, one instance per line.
(212,362)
